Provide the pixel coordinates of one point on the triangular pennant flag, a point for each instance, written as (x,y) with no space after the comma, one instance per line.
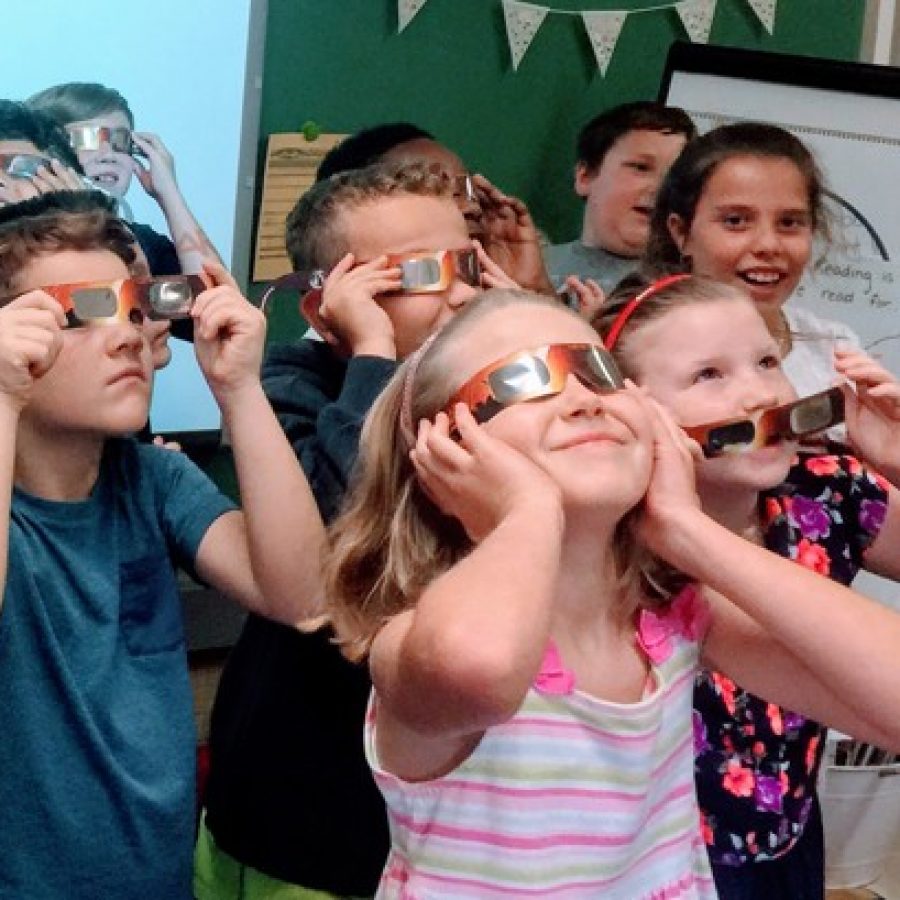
(406,11)
(522,23)
(603,29)
(697,16)
(765,11)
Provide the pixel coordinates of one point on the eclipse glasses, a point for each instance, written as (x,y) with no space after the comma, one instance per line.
(22,165)
(93,137)
(789,422)
(422,272)
(128,299)
(533,374)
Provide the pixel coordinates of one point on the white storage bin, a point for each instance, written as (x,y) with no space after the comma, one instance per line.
(861,814)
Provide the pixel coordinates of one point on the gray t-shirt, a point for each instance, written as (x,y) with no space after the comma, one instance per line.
(575,258)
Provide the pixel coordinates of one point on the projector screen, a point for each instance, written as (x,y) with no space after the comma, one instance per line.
(849,116)
(183,67)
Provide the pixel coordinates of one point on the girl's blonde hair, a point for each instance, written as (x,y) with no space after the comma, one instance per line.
(391,540)
(688,290)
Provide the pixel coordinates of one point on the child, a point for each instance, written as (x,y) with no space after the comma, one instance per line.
(100,125)
(284,812)
(98,750)
(501,223)
(530,725)
(35,156)
(757,762)
(623,155)
(742,205)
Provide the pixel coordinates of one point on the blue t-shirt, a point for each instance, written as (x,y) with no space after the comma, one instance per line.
(97,739)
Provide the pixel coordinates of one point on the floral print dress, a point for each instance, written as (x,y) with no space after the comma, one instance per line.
(757,763)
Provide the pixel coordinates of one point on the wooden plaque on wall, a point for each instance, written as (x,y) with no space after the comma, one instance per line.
(291,163)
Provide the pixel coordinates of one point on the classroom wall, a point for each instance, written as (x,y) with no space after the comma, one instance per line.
(344,66)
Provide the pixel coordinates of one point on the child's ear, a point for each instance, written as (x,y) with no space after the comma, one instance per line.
(584,177)
(678,229)
(309,308)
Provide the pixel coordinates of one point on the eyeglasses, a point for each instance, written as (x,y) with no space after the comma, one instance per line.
(128,299)
(532,374)
(92,137)
(428,272)
(22,165)
(789,422)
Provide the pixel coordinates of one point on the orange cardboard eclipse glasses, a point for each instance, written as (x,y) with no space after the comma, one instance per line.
(22,165)
(128,299)
(428,272)
(789,422)
(421,272)
(532,374)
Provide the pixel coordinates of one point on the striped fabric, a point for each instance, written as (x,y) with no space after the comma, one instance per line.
(574,797)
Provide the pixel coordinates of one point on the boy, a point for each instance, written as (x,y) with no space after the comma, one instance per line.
(98,751)
(501,223)
(100,125)
(623,155)
(291,805)
(35,155)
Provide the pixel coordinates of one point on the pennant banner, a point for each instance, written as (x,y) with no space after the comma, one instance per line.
(697,17)
(522,23)
(603,30)
(406,11)
(765,11)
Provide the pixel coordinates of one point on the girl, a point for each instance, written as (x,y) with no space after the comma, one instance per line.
(530,726)
(742,204)
(757,762)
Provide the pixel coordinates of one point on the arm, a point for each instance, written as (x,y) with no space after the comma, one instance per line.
(873,426)
(158,180)
(464,657)
(835,651)
(320,399)
(30,340)
(280,516)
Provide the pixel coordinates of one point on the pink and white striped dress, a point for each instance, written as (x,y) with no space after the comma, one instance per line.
(574,797)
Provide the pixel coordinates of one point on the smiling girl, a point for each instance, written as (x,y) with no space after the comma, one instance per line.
(742,204)
(704,352)
(530,725)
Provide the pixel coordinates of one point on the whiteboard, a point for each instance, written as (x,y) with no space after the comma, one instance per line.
(848,114)
(189,73)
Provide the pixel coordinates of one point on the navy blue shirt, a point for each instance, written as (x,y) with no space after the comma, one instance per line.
(97,739)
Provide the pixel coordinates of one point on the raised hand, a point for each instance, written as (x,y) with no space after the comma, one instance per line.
(510,237)
(30,340)
(229,337)
(478,479)
(872,410)
(349,315)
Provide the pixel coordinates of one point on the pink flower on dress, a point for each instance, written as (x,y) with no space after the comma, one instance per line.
(738,779)
(812,556)
(823,465)
(686,617)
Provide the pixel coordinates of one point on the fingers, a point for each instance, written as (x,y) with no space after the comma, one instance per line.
(492,276)
(589,295)
(219,275)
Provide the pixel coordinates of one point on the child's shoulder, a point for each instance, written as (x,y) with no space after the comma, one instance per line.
(816,468)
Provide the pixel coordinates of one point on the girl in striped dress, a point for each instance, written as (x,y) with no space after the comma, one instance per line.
(530,725)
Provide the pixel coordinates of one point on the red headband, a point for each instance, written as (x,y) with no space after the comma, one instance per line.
(622,318)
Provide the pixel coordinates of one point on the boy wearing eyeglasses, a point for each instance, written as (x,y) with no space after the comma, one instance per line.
(98,752)
(291,807)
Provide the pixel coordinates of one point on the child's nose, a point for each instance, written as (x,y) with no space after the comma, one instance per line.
(124,337)
(579,399)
